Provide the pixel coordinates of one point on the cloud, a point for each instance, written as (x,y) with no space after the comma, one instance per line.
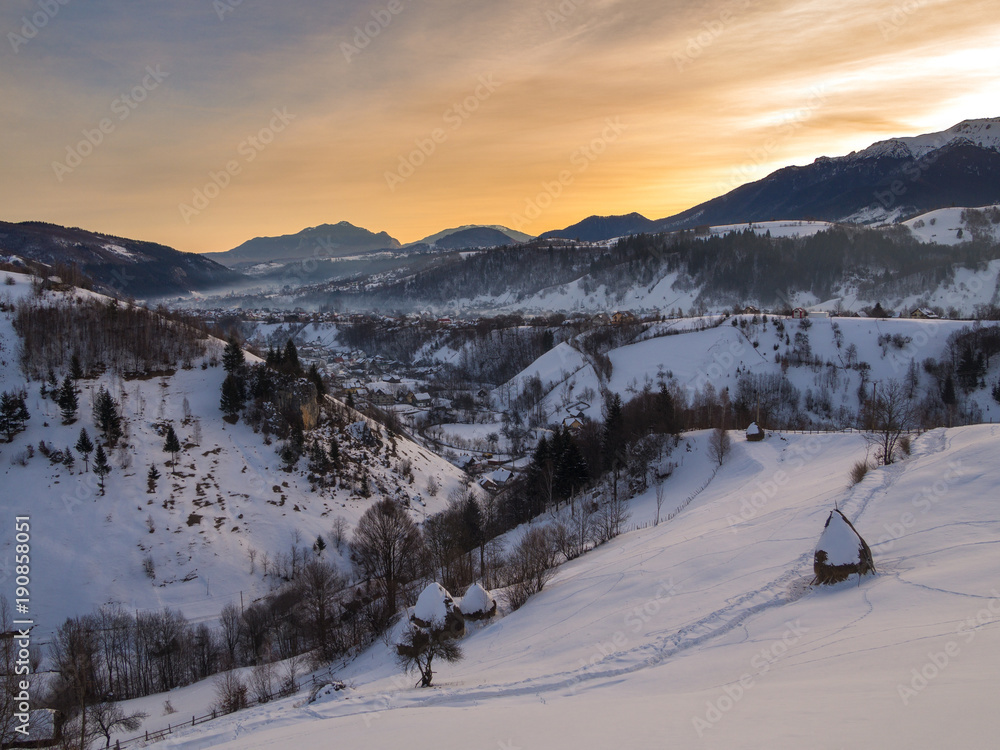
(698,86)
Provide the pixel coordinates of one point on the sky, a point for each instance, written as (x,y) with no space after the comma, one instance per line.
(202,123)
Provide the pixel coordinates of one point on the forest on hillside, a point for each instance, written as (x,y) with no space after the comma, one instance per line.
(730,269)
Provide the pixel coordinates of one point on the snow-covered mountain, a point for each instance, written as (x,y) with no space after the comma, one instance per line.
(886,182)
(128,268)
(981,133)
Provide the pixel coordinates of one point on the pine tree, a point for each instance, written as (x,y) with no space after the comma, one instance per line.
(614,428)
(335,452)
(571,468)
(273,357)
(75,368)
(318,461)
(107,417)
(101,466)
(233,396)
(151,478)
(232,356)
(319,545)
(172,446)
(290,359)
(85,446)
(13,413)
(317,380)
(67,401)
(948,394)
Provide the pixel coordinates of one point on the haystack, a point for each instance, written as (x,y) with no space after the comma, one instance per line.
(478,603)
(841,551)
(754,433)
(436,613)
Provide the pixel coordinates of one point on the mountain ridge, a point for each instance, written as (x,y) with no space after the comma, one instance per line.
(128,267)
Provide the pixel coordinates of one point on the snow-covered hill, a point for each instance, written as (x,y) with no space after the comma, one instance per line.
(950,226)
(712,351)
(704,631)
(229,495)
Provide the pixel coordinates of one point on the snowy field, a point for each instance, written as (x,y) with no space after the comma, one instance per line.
(704,631)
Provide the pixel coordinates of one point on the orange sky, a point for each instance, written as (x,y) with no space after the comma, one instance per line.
(410,117)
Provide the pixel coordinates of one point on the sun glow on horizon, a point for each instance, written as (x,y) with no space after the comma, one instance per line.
(430,119)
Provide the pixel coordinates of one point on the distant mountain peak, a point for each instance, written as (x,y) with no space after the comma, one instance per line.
(885,182)
(485,231)
(323,240)
(598,228)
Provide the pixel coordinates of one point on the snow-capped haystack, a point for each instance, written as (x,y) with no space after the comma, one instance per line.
(478,603)
(436,611)
(841,551)
(754,433)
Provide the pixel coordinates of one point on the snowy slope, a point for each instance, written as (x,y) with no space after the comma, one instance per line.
(943,226)
(228,497)
(717,355)
(775,228)
(984,133)
(703,631)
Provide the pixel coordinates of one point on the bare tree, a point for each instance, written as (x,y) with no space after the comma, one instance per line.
(338,534)
(388,546)
(230,692)
(262,681)
(530,565)
(611,517)
(719,445)
(660,496)
(109,717)
(318,586)
(886,416)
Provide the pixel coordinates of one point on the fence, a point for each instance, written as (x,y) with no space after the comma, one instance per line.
(160,734)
